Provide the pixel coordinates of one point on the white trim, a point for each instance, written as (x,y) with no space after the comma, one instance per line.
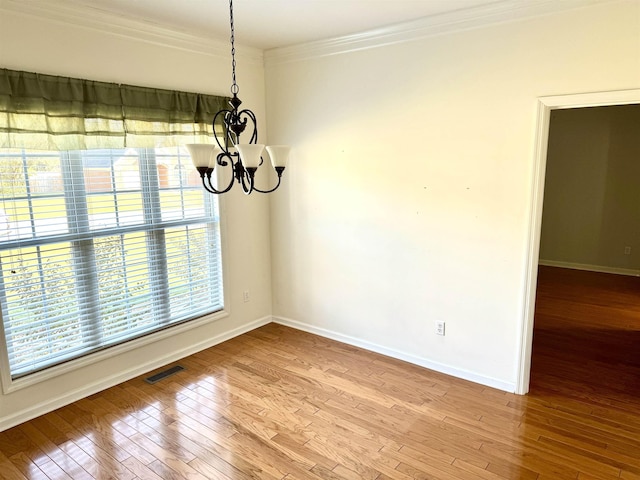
(70,366)
(591,268)
(459,20)
(89,18)
(389,352)
(545,105)
(226,275)
(75,395)
(591,99)
(5,371)
(525,343)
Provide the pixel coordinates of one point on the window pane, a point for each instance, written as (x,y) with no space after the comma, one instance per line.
(48,216)
(32,195)
(113,188)
(180,198)
(194,285)
(124,286)
(115,210)
(41,305)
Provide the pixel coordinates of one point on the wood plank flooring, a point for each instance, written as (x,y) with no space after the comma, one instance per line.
(277,403)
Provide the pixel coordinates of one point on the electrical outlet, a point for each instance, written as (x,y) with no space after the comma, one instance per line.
(245,296)
(627,250)
(440,328)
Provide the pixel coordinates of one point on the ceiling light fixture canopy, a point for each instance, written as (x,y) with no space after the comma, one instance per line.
(243,158)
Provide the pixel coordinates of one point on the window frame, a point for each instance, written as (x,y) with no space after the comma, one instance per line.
(10,384)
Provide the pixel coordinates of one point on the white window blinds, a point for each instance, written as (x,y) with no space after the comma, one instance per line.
(98,247)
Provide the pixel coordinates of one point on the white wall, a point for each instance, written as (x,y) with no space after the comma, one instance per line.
(592,189)
(28,43)
(409,190)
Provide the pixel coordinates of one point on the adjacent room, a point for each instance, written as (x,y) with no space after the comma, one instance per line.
(442,281)
(587,314)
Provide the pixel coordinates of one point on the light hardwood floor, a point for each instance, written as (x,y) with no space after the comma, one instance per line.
(278,403)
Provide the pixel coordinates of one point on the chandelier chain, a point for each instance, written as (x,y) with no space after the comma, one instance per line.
(234,86)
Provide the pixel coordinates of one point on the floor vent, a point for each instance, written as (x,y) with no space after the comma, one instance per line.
(164,374)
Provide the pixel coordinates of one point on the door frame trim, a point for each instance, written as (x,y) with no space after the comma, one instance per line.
(545,105)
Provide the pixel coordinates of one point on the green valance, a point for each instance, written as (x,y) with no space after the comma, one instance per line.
(46,112)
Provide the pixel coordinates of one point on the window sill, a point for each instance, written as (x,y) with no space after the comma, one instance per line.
(11,385)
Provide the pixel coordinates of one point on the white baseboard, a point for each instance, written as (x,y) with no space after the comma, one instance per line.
(590,268)
(87,390)
(389,352)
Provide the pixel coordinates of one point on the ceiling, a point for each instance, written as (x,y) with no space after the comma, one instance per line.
(266,24)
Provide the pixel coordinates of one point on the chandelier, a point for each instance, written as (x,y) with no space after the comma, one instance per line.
(243,158)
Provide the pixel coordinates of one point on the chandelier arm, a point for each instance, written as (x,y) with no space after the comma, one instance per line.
(206,173)
(248,174)
(225,147)
(225,163)
(252,117)
(243,175)
(234,126)
(209,188)
(228,187)
(271,189)
(279,171)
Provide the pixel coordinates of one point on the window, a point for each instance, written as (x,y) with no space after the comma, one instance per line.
(105,232)
(99,247)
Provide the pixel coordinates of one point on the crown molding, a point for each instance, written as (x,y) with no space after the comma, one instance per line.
(460,20)
(89,18)
(85,16)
